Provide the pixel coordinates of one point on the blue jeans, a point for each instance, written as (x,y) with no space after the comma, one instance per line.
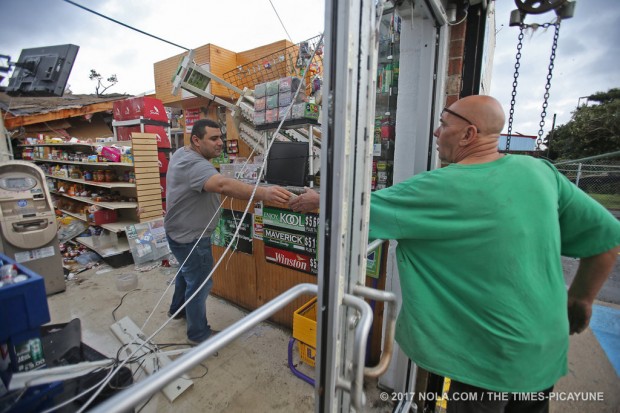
(189,279)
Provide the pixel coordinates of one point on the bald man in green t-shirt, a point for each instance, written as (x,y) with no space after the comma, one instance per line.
(479,259)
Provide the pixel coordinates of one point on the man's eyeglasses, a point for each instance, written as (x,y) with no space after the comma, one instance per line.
(453,113)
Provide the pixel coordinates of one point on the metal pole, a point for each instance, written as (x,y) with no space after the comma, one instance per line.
(589,158)
(310,154)
(551,134)
(578,174)
(349,88)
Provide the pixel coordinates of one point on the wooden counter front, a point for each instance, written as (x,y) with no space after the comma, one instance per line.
(250,281)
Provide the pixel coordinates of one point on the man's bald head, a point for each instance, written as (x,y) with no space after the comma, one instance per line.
(484,111)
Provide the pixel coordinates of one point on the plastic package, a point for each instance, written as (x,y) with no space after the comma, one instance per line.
(259,117)
(259,104)
(271,115)
(298,111)
(126,281)
(273,87)
(272,102)
(260,90)
(285,84)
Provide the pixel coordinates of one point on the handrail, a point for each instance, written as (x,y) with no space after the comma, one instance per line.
(125,400)
(359,349)
(390,300)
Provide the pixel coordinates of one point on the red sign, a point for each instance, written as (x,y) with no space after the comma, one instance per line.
(299,262)
(191,116)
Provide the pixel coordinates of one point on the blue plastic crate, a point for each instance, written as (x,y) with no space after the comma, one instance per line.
(23,306)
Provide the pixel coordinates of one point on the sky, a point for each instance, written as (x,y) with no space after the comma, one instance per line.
(587,57)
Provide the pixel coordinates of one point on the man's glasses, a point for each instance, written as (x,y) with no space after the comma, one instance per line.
(453,113)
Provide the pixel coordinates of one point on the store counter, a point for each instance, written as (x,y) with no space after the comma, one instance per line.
(277,249)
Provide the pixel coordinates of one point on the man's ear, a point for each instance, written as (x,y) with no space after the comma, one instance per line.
(469,136)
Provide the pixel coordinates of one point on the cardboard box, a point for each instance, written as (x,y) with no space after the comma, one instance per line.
(162,161)
(162,185)
(123,133)
(117,110)
(163,141)
(147,108)
(311,111)
(103,216)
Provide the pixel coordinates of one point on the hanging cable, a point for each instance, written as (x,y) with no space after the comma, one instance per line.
(274,9)
(123,24)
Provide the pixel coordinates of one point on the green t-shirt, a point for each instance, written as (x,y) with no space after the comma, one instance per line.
(479,246)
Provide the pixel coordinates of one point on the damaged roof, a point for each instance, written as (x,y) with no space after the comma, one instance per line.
(20,111)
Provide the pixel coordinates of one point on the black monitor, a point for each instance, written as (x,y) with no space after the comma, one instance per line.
(287,164)
(42,71)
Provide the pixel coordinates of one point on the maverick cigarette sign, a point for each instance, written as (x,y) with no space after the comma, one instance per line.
(290,240)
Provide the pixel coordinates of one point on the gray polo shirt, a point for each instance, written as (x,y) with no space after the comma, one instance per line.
(189,207)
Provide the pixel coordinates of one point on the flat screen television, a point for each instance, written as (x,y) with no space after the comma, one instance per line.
(42,71)
(287,164)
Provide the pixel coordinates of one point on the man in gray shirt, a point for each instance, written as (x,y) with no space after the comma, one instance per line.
(193,200)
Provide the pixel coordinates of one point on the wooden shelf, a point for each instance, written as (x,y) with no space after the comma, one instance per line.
(109,185)
(123,245)
(82,163)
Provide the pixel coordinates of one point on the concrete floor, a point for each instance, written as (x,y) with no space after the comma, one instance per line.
(252,373)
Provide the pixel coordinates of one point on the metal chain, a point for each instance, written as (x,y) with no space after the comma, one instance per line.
(543,114)
(514,85)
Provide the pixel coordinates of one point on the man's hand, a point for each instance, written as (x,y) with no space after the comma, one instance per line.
(579,313)
(275,194)
(306,202)
(591,275)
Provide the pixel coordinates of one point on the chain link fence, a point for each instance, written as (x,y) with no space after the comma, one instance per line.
(599,178)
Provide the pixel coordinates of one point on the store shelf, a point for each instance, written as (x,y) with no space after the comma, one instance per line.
(107,205)
(123,245)
(107,143)
(117,227)
(81,217)
(81,163)
(109,185)
(140,121)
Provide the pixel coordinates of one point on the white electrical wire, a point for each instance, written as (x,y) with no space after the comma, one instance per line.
(235,235)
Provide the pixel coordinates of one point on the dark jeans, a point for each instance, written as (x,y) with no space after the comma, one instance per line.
(464,398)
(193,273)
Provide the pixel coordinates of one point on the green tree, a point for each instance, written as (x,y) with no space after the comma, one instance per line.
(112,80)
(594,129)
